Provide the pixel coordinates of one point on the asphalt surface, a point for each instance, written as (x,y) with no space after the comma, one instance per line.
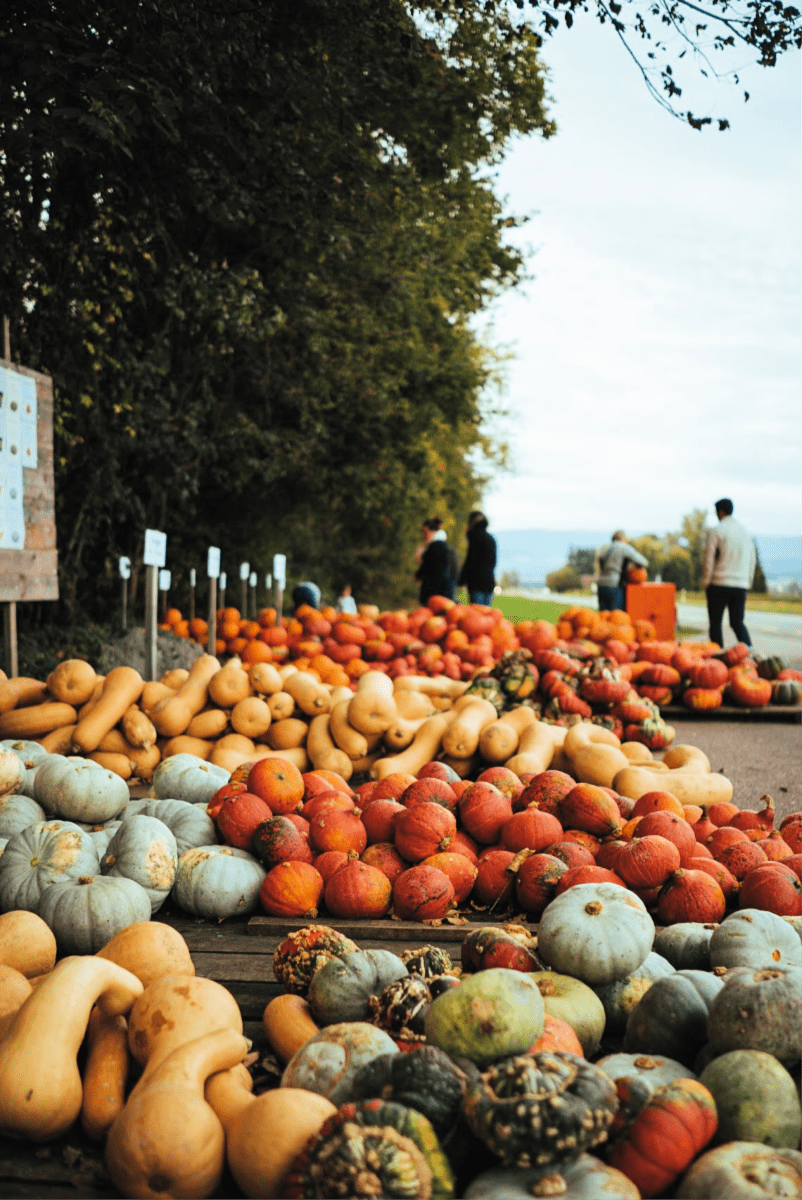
(759,755)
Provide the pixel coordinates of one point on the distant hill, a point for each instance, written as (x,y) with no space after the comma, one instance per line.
(533,553)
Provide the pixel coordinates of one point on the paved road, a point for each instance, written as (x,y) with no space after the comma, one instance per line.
(771,633)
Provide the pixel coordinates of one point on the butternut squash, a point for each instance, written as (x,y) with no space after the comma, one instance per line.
(153,693)
(167,1141)
(58,741)
(251,717)
(401,732)
(97,691)
(287,732)
(119,764)
(472,715)
(230,684)
(372,707)
(265,679)
(20,691)
(364,766)
(229,760)
(285,670)
(40,1084)
(72,681)
(236,741)
(172,715)
(265,1133)
(435,685)
(122,688)
(345,737)
(637,754)
(149,950)
(175,678)
(184,744)
(338,692)
(143,762)
(137,728)
(323,753)
(423,748)
(412,705)
(309,694)
(175,1009)
(537,748)
(288,1023)
(498,741)
(594,753)
(14,991)
(36,720)
(105,1073)
(281,705)
(464,767)
(684,771)
(209,724)
(297,755)
(26,943)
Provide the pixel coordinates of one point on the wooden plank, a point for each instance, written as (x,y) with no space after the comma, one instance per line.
(372,931)
(791,713)
(28,575)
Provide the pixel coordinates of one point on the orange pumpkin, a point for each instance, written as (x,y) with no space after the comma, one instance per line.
(358,890)
(690,895)
(422,893)
(291,889)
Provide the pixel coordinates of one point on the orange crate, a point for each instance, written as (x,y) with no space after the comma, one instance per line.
(655,602)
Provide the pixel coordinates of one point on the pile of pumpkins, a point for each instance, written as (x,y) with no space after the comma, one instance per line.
(603,1057)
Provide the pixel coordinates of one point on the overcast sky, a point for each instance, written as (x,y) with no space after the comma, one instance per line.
(657,358)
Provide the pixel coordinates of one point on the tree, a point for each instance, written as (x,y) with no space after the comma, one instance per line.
(582,559)
(563,580)
(251,270)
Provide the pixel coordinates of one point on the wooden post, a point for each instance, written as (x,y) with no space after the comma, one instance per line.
(6,339)
(124,598)
(192,593)
(10,634)
(151,603)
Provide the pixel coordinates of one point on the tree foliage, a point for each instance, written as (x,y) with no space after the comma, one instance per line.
(247,244)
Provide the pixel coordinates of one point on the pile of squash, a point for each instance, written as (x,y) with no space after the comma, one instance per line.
(601,1057)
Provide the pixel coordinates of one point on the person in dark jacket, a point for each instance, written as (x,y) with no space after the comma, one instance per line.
(436,570)
(478,570)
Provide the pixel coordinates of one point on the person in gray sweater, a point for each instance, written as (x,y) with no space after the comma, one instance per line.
(728,571)
(613,561)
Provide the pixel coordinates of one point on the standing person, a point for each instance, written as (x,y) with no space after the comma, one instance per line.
(613,560)
(478,570)
(728,570)
(345,602)
(435,571)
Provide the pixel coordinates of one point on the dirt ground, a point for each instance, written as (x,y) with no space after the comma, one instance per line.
(760,756)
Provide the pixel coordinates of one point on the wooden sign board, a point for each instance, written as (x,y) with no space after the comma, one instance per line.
(28,556)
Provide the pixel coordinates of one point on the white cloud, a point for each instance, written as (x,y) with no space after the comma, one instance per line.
(657,352)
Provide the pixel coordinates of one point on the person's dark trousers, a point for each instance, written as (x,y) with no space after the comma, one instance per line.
(611,599)
(734,601)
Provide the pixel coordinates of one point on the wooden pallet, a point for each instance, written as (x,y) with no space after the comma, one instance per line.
(790,713)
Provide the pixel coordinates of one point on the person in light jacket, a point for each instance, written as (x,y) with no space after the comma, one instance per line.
(728,570)
(613,561)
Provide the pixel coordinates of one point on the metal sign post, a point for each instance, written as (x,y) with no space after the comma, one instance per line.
(279,582)
(222,589)
(154,557)
(213,572)
(125,575)
(192,593)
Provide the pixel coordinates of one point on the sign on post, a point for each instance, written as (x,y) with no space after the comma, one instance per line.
(192,593)
(213,572)
(279,582)
(154,557)
(244,572)
(222,588)
(125,575)
(164,587)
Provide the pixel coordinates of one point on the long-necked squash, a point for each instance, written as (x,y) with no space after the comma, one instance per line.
(308,693)
(288,1023)
(58,741)
(498,741)
(40,1084)
(345,737)
(168,1141)
(72,681)
(209,724)
(264,1133)
(372,706)
(472,715)
(105,1073)
(537,748)
(323,752)
(14,991)
(422,749)
(122,688)
(230,684)
(175,1009)
(137,728)
(19,691)
(172,715)
(35,720)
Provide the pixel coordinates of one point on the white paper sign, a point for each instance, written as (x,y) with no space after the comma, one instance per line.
(155,554)
(213,562)
(268,582)
(164,581)
(244,570)
(252,579)
(222,581)
(191,576)
(125,568)
(280,569)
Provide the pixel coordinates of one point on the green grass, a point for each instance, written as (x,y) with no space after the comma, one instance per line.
(519,608)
